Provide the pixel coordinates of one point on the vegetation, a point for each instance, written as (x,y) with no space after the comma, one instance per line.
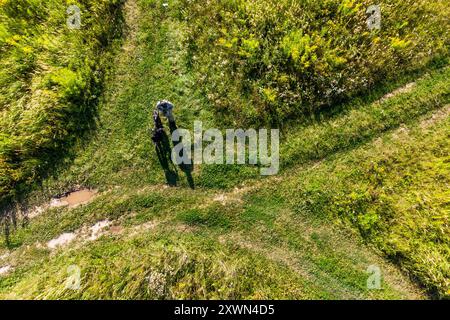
(270,61)
(276,239)
(363,182)
(50,82)
(395,191)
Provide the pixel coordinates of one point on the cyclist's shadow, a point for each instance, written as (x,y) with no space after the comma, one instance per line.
(164,152)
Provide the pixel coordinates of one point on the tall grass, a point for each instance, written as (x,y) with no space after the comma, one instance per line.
(272,60)
(50,81)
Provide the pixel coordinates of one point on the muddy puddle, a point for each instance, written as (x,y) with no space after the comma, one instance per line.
(74,198)
(70,199)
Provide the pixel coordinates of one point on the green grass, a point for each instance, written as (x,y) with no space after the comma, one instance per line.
(198,258)
(395,192)
(181,267)
(106,162)
(288,225)
(271,61)
(364,184)
(50,79)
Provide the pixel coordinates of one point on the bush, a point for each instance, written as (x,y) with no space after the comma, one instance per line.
(50,81)
(273,60)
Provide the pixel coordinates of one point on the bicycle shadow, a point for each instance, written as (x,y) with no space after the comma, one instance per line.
(164,152)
